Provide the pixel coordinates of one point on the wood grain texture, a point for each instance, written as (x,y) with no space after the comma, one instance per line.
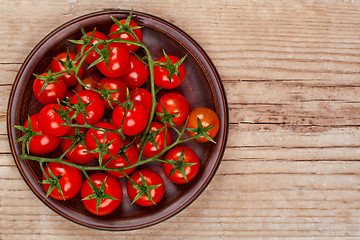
(292,75)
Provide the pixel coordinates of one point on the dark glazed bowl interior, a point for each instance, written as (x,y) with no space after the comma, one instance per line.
(202,87)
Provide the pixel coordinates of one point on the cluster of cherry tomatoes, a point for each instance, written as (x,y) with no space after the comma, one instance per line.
(113,122)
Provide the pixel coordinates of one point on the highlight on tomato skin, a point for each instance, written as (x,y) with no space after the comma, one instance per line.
(137,74)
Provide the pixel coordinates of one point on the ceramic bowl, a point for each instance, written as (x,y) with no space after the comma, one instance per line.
(202,87)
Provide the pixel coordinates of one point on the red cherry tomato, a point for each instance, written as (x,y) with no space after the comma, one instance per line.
(95,109)
(135,120)
(112,188)
(174,103)
(137,74)
(132,154)
(56,66)
(151,178)
(113,84)
(50,121)
(70,181)
(115,138)
(161,75)
(51,93)
(141,95)
(77,154)
(188,157)
(118,61)
(126,36)
(41,144)
(149,149)
(208,118)
(93,55)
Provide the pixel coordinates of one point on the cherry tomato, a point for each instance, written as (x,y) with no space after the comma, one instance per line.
(77,154)
(151,178)
(135,120)
(208,118)
(112,188)
(174,103)
(143,96)
(118,61)
(161,75)
(70,181)
(93,55)
(56,66)
(95,110)
(41,144)
(50,121)
(132,154)
(113,84)
(52,92)
(189,156)
(137,74)
(115,138)
(126,36)
(149,149)
(89,82)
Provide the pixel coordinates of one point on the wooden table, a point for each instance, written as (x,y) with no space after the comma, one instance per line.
(291,71)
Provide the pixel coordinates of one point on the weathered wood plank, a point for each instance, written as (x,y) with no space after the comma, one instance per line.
(291,73)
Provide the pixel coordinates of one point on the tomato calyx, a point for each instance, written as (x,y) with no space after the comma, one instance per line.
(54,182)
(29,133)
(77,138)
(102,149)
(49,78)
(104,54)
(123,149)
(150,137)
(144,189)
(179,165)
(105,94)
(63,113)
(171,67)
(125,28)
(85,40)
(201,131)
(99,194)
(69,64)
(167,117)
(79,107)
